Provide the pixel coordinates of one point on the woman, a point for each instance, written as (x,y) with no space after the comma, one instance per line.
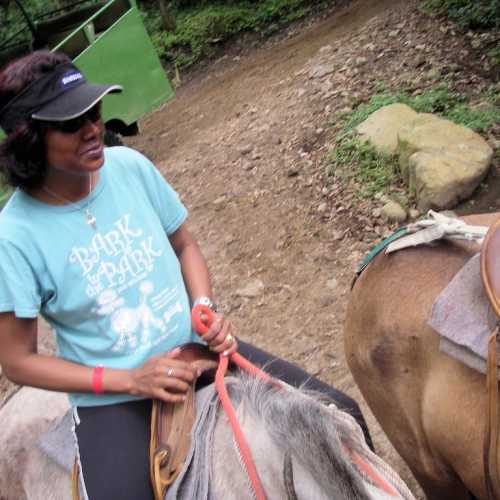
(95,241)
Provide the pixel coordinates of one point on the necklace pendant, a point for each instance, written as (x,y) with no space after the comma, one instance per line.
(91,220)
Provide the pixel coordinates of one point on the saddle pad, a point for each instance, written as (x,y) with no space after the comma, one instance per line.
(194,479)
(463,317)
(58,443)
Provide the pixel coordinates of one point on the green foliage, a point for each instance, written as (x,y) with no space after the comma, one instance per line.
(358,160)
(439,100)
(197,32)
(14,25)
(5,192)
(362,112)
(12,21)
(494,54)
(480,118)
(201,25)
(473,14)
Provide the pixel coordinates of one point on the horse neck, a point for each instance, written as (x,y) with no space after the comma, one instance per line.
(277,426)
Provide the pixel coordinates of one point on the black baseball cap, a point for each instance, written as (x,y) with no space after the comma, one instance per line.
(62,94)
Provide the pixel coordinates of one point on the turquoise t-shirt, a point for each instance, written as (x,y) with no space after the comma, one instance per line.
(114,295)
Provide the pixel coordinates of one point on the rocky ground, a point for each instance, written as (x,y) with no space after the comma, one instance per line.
(244,143)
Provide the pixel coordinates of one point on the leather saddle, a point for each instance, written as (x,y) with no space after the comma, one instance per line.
(490,275)
(171,425)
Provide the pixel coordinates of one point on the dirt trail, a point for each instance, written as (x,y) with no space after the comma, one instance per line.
(241,146)
(244,144)
(212,99)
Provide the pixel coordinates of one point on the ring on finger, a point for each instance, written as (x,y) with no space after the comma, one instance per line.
(229,338)
(170,372)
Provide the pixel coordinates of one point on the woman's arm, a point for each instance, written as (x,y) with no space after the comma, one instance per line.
(22,364)
(193,264)
(197,280)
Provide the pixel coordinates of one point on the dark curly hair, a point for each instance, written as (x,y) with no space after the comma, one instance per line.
(23,152)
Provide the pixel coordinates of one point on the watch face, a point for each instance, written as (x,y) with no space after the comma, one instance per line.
(205,301)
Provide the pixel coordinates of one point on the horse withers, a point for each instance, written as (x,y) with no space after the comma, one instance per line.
(431,407)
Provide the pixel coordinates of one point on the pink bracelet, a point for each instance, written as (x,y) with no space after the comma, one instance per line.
(97,376)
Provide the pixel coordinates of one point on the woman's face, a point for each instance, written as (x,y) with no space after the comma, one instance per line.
(80,151)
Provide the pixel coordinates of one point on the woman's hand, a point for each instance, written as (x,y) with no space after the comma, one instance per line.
(219,336)
(163,377)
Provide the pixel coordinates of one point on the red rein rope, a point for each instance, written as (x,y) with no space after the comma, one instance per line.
(202,327)
(245,452)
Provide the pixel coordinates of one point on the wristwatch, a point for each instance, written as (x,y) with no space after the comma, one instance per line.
(205,301)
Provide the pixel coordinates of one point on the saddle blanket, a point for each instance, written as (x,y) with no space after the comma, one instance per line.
(463,317)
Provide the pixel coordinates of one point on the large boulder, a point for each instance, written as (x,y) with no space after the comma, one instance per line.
(381,128)
(442,162)
(440,180)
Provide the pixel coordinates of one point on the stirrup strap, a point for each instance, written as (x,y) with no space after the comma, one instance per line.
(490,447)
(172,423)
(490,278)
(75,495)
(171,426)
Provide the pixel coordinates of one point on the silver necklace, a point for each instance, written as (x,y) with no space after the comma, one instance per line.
(89,217)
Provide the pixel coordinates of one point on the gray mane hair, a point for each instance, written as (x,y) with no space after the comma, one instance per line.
(302,426)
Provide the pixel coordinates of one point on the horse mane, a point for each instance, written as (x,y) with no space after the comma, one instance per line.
(302,426)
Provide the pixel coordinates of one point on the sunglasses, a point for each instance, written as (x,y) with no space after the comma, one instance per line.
(93,115)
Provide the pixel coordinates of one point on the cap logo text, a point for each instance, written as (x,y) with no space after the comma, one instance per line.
(71,78)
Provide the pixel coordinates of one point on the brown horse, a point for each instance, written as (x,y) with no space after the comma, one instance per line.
(431,407)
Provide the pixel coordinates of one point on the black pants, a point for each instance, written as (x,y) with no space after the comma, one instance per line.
(114,440)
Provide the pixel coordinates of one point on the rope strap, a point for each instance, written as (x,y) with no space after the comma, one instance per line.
(245,452)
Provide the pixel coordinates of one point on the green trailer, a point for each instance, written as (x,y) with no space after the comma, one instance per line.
(107,40)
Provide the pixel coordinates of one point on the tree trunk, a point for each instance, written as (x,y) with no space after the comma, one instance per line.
(167,19)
